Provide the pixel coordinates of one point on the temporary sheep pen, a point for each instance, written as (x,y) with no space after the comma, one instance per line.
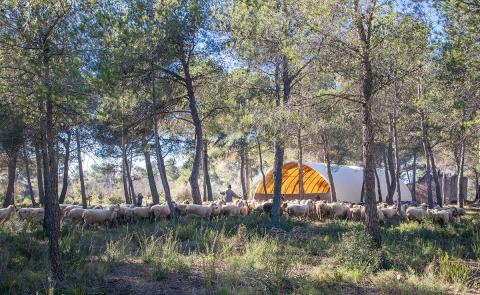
(348,182)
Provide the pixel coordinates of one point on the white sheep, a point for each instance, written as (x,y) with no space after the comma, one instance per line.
(204,211)
(6,213)
(75,214)
(160,211)
(389,212)
(141,213)
(230,210)
(339,210)
(99,216)
(439,216)
(37,213)
(416,213)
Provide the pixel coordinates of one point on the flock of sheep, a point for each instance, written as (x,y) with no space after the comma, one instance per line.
(317,210)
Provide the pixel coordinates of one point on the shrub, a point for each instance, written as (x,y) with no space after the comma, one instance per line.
(357,250)
(453,270)
(476,244)
(114,200)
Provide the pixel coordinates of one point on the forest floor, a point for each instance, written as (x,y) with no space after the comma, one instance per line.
(246,256)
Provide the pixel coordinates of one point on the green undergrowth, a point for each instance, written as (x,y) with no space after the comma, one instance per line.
(249,255)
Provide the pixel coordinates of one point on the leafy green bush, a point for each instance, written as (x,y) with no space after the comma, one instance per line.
(453,270)
(357,250)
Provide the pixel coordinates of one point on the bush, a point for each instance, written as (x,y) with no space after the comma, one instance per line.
(453,271)
(357,250)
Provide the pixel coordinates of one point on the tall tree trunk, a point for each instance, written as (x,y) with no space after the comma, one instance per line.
(29,180)
(242,170)
(192,103)
(38,158)
(379,188)
(80,171)
(158,151)
(396,147)
(247,171)
(414,178)
(129,181)
(391,164)
(477,186)
(362,192)
(301,190)
(460,195)
(63,193)
(279,141)
(150,175)
(206,175)
(387,176)
(12,168)
(428,175)
(438,190)
(52,209)
(368,138)
(328,161)
(126,191)
(264,183)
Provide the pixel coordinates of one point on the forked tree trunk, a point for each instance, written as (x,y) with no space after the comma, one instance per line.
(150,175)
(301,190)
(80,171)
(328,161)
(387,176)
(158,151)
(29,180)
(63,193)
(12,168)
(38,158)
(264,183)
(52,209)
(206,175)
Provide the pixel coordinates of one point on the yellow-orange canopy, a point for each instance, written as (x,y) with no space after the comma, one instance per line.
(313,182)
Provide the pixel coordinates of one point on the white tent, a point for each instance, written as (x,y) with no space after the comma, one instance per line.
(348,182)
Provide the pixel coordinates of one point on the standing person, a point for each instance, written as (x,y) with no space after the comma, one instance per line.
(229,194)
(139,200)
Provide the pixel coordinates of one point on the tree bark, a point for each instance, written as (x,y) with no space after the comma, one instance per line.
(63,193)
(387,176)
(150,175)
(396,147)
(129,181)
(52,209)
(38,158)
(29,180)
(460,195)
(264,182)
(428,176)
(379,189)
(391,164)
(414,178)
(328,161)
(80,171)
(158,152)
(12,168)
(206,175)
(242,170)
(438,189)
(368,138)
(192,103)
(300,163)
(477,186)
(247,171)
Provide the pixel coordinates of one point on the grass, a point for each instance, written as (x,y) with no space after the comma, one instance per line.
(248,256)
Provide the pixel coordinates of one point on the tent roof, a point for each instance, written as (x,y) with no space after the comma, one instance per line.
(348,181)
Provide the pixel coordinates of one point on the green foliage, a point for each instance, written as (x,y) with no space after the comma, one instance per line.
(356,250)
(453,270)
